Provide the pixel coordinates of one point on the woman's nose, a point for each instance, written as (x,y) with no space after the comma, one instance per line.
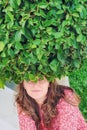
(36,85)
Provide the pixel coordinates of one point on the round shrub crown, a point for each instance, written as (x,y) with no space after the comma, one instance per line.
(41,38)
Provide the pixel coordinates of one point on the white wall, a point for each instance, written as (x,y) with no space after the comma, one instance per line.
(8,112)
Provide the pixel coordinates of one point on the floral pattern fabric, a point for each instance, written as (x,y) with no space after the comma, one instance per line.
(69,117)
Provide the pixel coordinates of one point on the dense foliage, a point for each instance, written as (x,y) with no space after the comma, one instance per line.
(41,38)
(78,81)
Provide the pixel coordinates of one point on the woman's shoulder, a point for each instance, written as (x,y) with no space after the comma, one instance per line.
(71,99)
(20,112)
(68,105)
(69,114)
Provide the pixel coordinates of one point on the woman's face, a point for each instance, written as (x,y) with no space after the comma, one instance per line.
(37,90)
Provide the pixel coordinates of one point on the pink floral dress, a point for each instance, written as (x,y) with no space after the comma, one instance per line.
(69,117)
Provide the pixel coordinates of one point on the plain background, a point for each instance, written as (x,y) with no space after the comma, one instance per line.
(8,112)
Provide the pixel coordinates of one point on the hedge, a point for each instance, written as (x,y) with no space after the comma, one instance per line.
(78,81)
(41,38)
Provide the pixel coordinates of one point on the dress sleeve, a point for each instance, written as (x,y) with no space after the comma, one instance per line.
(81,123)
(70,117)
(67,116)
(25,122)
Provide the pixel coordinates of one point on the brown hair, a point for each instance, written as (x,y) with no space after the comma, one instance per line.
(31,108)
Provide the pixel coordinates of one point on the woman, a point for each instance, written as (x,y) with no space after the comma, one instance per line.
(44,105)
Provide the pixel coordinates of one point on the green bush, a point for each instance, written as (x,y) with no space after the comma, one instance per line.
(41,38)
(78,81)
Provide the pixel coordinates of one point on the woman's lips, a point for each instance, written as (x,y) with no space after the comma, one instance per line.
(35,90)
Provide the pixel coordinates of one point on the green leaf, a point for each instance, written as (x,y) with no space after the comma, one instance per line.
(60,12)
(18,36)
(42,14)
(54,65)
(40,67)
(11,16)
(42,5)
(13,4)
(77,63)
(37,41)
(49,22)
(49,30)
(78,29)
(39,53)
(3,54)
(61,56)
(75,15)
(33,46)
(79,7)
(2,45)
(32,77)
(57,34)
(11,52)
(18,46)
(1,83)
(5,61)
(18,2)
(80,38)
(8,9)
